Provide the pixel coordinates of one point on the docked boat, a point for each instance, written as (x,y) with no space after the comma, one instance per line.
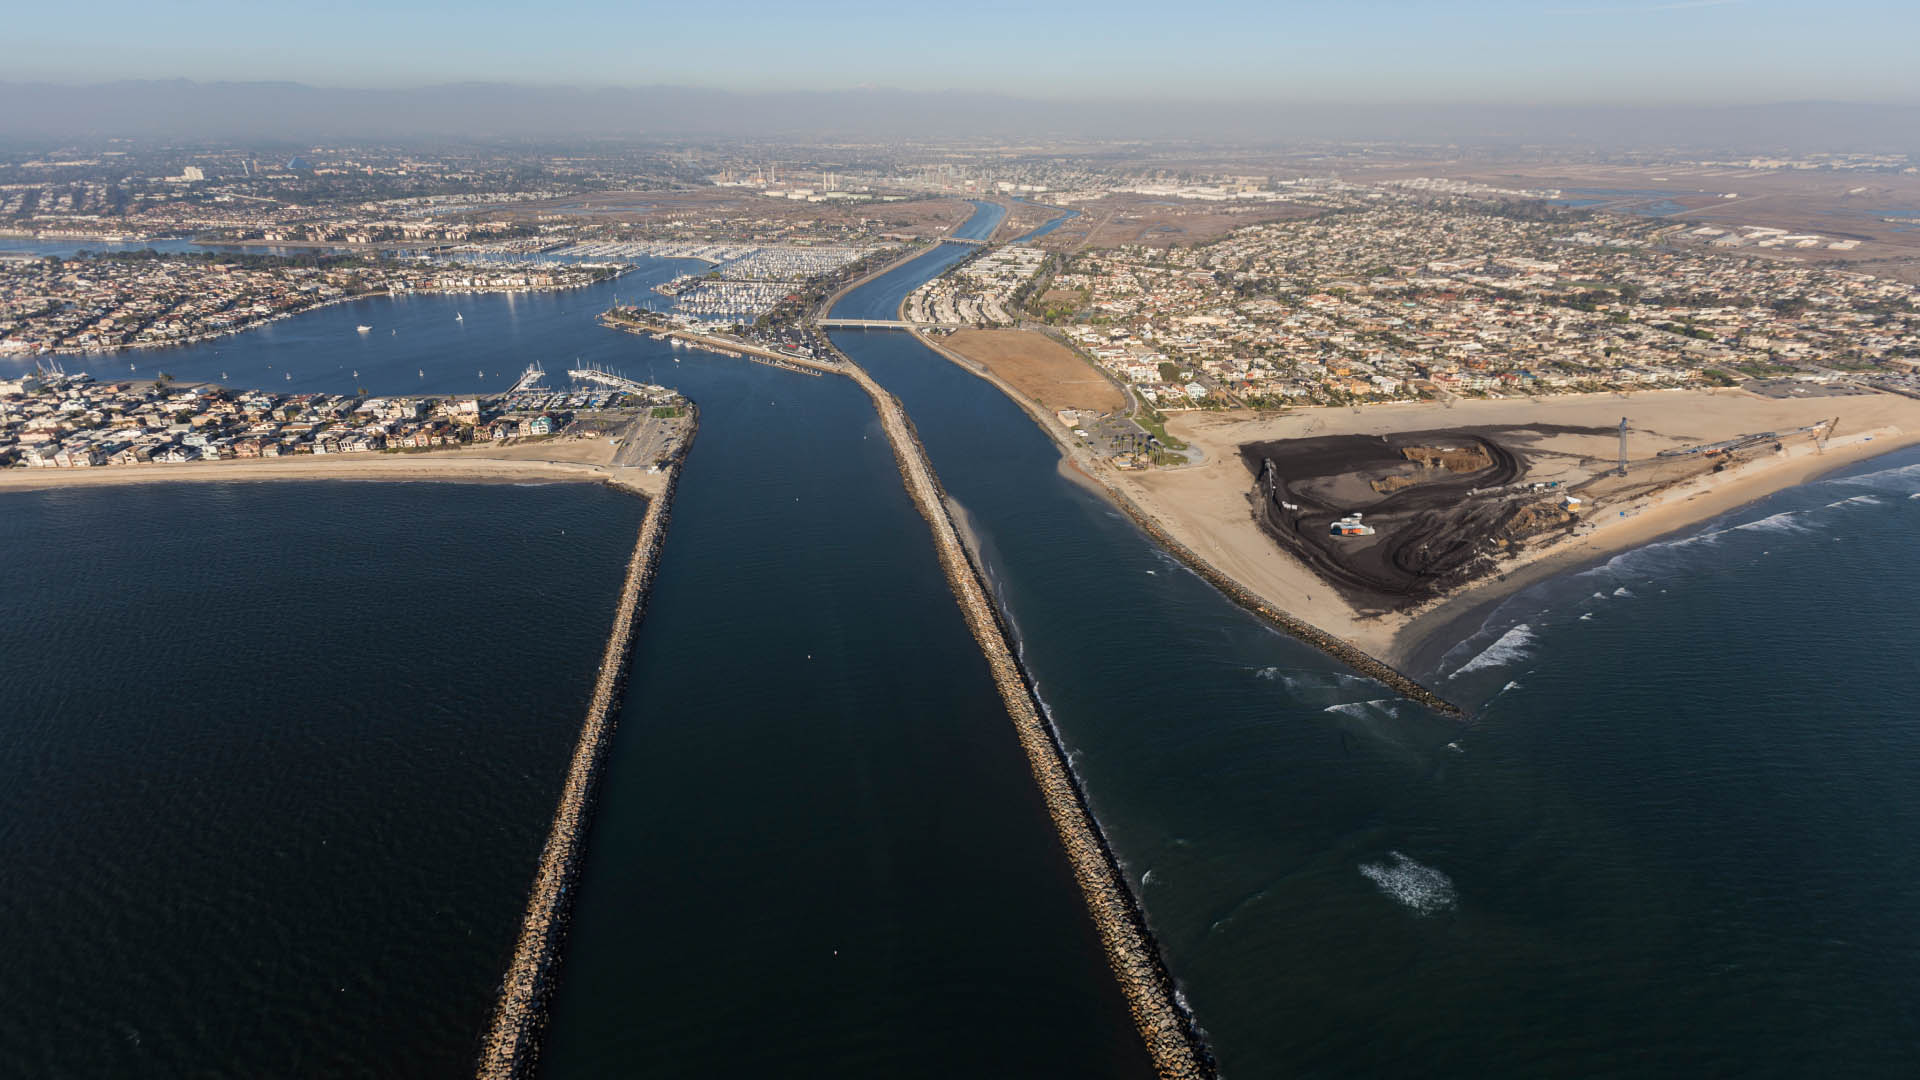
(364,329)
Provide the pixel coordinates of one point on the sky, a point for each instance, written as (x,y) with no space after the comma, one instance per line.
(1641,52)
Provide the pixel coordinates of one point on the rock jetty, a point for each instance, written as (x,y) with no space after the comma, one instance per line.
(512,1044)
(1172,1040)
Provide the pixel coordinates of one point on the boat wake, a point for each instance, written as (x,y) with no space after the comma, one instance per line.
(1419,888)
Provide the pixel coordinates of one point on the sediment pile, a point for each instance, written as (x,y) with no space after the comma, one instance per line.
(1172,1040)
(512,1043)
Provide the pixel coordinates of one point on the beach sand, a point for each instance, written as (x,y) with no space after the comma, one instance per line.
(573,460)
(1207,506)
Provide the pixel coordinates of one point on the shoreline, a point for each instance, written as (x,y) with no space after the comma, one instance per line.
(235,331)
(432,466)
(1397,647)
(1460,615)
(1089,473)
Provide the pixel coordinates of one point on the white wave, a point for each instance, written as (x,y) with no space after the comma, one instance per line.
(1896,480)
(1623,591)
(1358,708)
(1784,521)
(1421,889)
(1268,673)
(1588,617)
(1146,878)
(1510,686)
(1511,646)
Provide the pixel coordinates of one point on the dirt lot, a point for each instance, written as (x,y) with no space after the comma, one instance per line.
(1159,222)
(724,211)
(1039,367)
(1415,488)
(1875,208)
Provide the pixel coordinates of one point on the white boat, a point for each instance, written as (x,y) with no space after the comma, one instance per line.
(457,317)
(364,329)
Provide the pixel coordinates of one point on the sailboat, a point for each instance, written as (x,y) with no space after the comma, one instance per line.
(423,373)
(458,317)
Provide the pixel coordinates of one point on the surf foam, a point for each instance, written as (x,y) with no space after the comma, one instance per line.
(1511,646)
(1420,888)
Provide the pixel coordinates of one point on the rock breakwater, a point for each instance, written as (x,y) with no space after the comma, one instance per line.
(512,1043)
(1171,1037)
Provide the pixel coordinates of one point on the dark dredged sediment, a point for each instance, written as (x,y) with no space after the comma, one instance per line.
(513,1042)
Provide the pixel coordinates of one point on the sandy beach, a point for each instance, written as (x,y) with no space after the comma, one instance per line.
(574,460)
(1207,506)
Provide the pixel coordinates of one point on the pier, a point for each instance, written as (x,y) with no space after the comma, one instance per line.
(512,1043)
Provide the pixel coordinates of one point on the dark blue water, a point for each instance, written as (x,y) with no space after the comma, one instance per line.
(1680,844)
(416,345)
(276,763)
(819,850)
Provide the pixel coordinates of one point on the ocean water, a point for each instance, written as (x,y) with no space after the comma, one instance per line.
(1675,838)
(276,763)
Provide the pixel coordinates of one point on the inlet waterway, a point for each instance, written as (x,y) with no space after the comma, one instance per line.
(818,849)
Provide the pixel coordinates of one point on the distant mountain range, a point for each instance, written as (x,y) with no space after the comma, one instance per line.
(182,107)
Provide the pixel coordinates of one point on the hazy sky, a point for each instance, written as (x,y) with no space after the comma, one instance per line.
(1434,51)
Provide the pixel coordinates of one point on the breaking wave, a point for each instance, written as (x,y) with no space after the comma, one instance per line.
(1358,708)
(1421,889)
(1511,646)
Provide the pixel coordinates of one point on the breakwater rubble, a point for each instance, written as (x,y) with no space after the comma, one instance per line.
(1173,1040)
(512,1043)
